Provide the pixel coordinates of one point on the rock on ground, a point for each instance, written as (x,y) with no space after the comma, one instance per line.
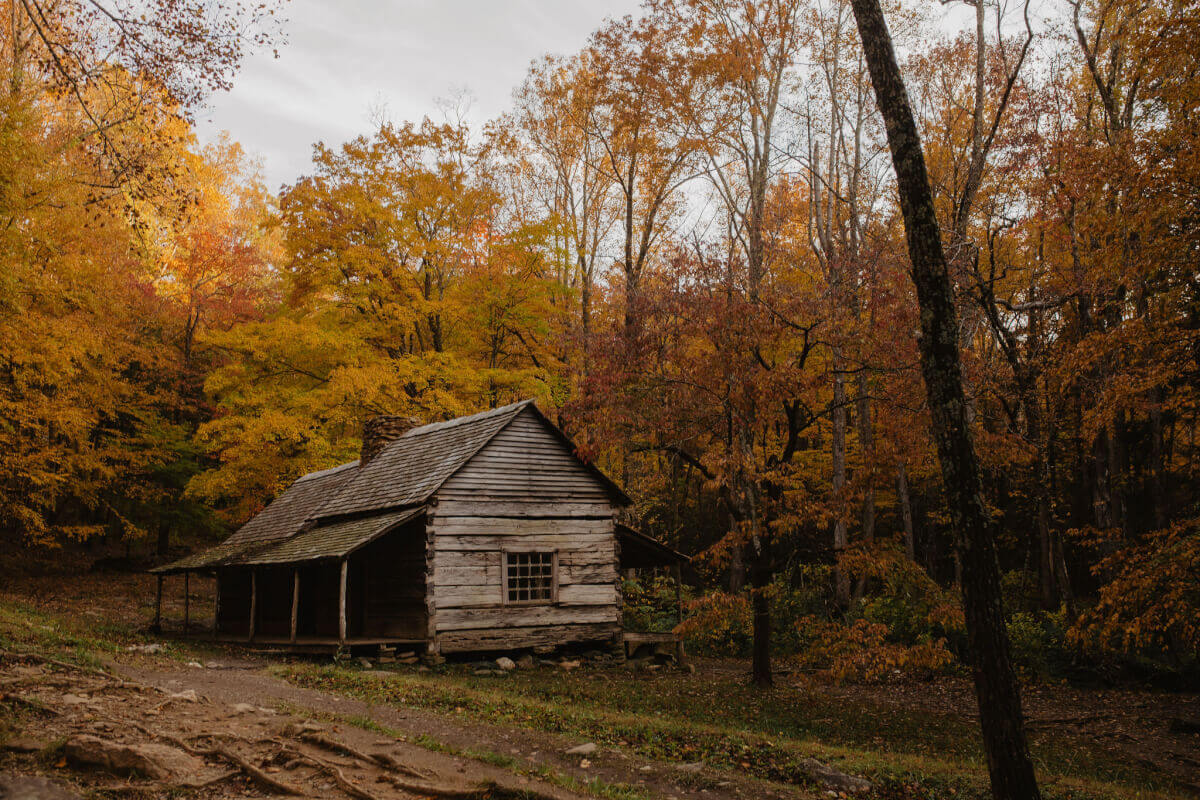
(152,760)
(23,787)
(836,779)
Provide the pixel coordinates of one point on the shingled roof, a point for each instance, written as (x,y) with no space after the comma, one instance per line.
(329,513)
(336,540)
(414,466)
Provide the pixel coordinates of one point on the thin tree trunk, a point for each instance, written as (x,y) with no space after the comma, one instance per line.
(906,515)
(999,698)
(840,537)
(866,439)
(760,606)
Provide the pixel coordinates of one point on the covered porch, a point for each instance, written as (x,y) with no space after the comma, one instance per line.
(637,553)
(358,582)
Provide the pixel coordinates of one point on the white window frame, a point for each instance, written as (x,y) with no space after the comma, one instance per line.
(504,576)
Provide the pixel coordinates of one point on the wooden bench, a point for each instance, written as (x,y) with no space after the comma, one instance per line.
(634,639)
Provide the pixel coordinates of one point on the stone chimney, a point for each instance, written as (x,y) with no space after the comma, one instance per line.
(379,431)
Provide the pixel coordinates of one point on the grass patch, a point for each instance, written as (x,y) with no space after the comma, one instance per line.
(768,735)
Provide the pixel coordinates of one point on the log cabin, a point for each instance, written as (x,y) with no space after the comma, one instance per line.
(482,533)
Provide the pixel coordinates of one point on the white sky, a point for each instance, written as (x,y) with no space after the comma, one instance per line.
(345,59)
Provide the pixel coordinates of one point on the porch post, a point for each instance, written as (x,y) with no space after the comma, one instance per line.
(253,602)
(295,599)
(157,626)
(187,597)
(342,603)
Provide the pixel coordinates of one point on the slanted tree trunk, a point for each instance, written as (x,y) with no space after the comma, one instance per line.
(999,699)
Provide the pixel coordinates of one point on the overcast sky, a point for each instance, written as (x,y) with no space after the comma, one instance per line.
(344,59)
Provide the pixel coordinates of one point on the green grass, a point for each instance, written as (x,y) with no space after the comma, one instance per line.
(25,628)
(595,786)
(728,725)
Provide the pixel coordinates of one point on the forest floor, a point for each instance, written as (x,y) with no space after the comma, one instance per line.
(223,722)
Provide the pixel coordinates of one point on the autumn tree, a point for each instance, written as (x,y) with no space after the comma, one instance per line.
(409,288)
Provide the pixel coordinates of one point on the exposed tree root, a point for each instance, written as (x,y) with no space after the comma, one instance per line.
(427,790)
(29,702)
(331,770)
(380,759)
(256,774)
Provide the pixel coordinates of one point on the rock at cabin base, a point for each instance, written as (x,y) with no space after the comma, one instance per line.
(505,663)
(25,787)
(152,760)
(569,665)
(526,662)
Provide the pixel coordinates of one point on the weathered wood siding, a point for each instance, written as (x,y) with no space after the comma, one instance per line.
(524,490)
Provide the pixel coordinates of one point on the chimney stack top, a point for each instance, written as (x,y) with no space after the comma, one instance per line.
(379,431)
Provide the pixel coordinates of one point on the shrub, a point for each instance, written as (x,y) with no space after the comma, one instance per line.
(718,624)
(650,604)
(862,652)
(1039,643)
(1148,610)
(903,598)
(721,624)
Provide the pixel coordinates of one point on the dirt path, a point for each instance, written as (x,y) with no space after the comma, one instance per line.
(153,733)
(532,752)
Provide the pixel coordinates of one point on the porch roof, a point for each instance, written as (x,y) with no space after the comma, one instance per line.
(334,540)
(639,551)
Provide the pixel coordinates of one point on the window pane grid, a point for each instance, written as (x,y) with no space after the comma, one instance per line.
(529,577)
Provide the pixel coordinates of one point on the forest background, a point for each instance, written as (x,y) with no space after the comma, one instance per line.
(683,241)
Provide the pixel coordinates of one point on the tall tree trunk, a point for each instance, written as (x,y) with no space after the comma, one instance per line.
(906,515)
(866,440)
(996,690)
(585,320)
(840,538)
(760,606)
(737,569)
(1158,483)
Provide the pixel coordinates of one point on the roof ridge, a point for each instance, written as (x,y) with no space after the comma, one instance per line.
(321,473)
(456,421)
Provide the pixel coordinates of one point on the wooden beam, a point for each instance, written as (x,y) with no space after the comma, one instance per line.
(157,627)
(342,602)
(187,596)
(295,600)
(253,603)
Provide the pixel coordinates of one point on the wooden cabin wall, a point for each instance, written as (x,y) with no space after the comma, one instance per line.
(524,490)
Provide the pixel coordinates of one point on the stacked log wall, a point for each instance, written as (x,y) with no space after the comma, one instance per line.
(523,491)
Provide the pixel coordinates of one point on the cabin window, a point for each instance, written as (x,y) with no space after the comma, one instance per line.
(529,576)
